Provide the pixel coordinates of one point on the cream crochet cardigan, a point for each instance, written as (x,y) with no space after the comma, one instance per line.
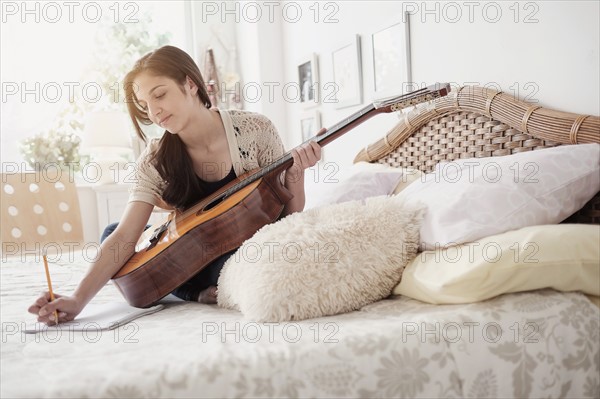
(253,143)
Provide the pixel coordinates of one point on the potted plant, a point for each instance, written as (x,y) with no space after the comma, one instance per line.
(57,148)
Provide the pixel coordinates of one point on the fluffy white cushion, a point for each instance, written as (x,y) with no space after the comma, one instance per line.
(324,261)
(565,257)
(474,198)
(328,183)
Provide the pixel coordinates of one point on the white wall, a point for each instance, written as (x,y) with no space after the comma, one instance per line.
(262,68)
(306,36)
(244,44)
(559,53)
(554,59)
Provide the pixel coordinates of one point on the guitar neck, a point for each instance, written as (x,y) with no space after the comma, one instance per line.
(390,104)
(332,133)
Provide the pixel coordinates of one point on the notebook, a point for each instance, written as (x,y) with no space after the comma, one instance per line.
(97,317)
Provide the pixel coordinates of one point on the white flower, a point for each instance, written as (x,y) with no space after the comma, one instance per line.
(52,147)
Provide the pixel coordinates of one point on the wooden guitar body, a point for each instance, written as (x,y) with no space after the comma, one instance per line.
(200,238)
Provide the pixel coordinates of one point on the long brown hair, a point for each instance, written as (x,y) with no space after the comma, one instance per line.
(171,159)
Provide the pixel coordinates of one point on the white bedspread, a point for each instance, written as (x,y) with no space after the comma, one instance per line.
(538,344)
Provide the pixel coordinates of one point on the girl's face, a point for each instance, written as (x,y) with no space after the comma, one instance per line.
(163,99)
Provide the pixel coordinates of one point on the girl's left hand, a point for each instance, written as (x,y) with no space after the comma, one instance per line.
(305,156)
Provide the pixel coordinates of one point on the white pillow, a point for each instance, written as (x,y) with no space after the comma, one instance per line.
(328,183)
(474,198)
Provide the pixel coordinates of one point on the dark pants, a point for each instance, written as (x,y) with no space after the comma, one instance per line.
(190,290)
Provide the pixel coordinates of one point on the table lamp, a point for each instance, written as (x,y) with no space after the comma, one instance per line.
(107,140)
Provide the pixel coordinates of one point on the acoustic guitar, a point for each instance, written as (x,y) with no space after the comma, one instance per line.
(171,252)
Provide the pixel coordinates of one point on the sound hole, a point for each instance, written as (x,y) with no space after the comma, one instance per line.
(212,204)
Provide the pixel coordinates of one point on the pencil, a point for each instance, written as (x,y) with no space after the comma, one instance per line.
(50,286)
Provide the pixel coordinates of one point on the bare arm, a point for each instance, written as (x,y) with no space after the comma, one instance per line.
(304,157)
(113,254)
(115,250)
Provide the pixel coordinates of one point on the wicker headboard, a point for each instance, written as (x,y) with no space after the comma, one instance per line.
(477,122)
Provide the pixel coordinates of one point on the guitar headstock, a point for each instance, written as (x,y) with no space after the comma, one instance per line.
(396,103)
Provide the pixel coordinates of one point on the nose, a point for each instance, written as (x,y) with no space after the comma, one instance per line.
(154,112)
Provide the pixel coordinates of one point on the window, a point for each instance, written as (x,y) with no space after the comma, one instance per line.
(61,60)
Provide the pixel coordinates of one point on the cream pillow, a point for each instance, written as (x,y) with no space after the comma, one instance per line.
(469,199)
(321,262)
(564,257)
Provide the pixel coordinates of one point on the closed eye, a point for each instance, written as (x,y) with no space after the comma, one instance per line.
(145,107)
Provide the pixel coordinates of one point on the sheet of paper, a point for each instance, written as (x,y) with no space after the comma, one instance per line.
(96,317)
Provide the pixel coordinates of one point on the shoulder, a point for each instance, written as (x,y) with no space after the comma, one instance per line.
(145,162)
(153,144)
(148,184)
(245,122)
(149,151)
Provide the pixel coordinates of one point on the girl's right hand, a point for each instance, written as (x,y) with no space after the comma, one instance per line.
(68,308)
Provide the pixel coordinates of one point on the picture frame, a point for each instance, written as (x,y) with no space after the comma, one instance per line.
(310,123)
(347,73)
(391,57)
(308,80)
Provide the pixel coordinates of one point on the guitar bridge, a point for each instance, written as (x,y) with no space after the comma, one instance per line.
(157,235)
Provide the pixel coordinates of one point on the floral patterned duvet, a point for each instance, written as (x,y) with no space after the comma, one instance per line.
(535,344)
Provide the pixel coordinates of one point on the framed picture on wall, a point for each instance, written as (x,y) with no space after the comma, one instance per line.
(308,81)
(347,73)
(310,123)
(391,57)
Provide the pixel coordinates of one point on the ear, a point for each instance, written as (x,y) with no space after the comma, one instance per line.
(191,85)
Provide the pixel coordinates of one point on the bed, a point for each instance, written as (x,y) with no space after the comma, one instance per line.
(541,343)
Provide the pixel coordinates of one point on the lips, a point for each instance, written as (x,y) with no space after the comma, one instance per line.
(163,121)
